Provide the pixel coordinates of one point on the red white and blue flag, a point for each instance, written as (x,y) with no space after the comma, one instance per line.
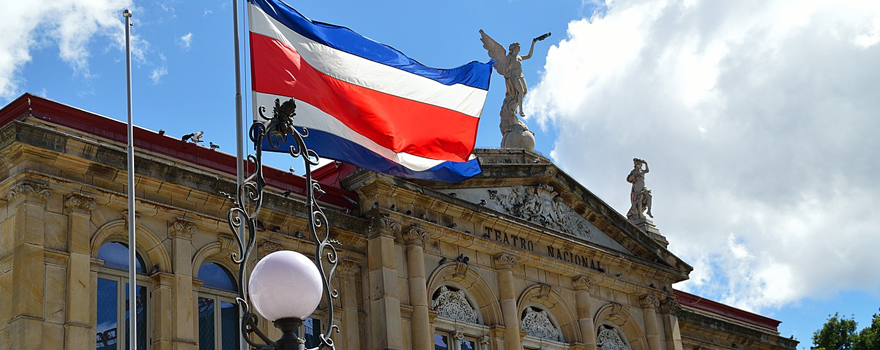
(364,102)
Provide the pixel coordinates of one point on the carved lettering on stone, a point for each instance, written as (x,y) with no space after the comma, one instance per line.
(541,205)
(608,339)
(453,304)
(538,324)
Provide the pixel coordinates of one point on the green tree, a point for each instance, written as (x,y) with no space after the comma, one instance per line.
(838,333)
(869,337)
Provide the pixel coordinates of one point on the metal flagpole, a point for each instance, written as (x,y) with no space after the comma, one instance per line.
(132,260)
(239,156)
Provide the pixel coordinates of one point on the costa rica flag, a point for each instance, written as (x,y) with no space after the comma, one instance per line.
(364,102)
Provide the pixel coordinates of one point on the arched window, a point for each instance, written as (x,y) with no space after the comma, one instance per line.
(112,296)
(611,338)
(458,325)
(541,329)
(218,312)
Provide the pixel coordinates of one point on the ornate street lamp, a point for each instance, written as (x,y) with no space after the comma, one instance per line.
(285,286)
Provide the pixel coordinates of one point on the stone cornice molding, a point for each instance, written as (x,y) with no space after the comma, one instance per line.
(649,301)
(80,202)
(29,188)
(505,261)
(415,235)
(181,227)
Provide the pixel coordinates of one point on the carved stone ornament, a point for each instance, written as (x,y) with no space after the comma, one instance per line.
(267,246)
(649,301)
(670,306)
(29,188)
(583,283)
(384,223)
(78,201)
(505,261)
(542,205)
(453,304)
(415,235)
(182,227)
(608,339)
(538,324)
(227,243)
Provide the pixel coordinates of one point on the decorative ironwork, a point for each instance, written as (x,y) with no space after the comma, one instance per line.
(242,220)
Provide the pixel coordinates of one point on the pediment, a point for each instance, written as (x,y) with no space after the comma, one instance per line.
(539,204)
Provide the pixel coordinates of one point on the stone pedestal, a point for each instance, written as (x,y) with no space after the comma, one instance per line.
(647,226)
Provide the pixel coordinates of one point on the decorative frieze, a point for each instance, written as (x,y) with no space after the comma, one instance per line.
(608,339)
(537,324)
(28,188)
(541,204)
(81,202)
(454,304)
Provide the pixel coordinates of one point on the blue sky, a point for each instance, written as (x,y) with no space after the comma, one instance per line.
(757,117)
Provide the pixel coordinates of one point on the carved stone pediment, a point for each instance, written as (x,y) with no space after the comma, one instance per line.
(537,324)
(539,204)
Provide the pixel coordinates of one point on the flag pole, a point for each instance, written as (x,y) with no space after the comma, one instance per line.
(239,156)
(132,247)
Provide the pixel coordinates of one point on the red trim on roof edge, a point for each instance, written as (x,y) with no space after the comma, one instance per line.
(146,140)
(714,307)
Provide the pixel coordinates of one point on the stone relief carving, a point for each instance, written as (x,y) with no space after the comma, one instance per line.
(608,339)
(538,324)
(181,226)
(267,246)
(505,261)
(542,205)
(29,188)
(453,304)
(78,201)
(649,301)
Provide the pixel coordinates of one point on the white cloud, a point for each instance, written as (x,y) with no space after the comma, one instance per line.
(69,25)
(157,74)
(186,40)
(758,119)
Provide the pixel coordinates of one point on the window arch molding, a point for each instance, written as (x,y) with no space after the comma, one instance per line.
(474,286)
(215,253)
(615,315)
(548,299)
(147,244)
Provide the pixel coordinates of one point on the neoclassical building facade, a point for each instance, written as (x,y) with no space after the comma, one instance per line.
(520,257)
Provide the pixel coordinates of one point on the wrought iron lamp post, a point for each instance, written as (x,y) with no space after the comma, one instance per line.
(285,287)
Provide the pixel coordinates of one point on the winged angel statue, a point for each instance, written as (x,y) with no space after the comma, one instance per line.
(515,133)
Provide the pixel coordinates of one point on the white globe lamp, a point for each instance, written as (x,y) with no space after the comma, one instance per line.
(285,284)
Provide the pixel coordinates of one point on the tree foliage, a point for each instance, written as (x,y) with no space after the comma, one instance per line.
(839,333)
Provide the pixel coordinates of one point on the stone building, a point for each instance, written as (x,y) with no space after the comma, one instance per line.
(520,257)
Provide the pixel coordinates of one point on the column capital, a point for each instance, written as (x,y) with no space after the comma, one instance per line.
(29,188)
(670,306)
(349,267)
(649,301)
(181,227)
(583,283)
(415,235)
(80,202)
(382,224)
(505,261)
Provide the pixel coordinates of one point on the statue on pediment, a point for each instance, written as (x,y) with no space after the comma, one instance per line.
(640,196)
(515,133)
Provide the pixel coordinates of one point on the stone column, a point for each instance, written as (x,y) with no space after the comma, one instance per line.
(350,317)
(457,337)
(163,311)
(584,287)
(77,325)
(27,202)
(181,232)
(384,299)
(649,305)
(415,239)
(505,263)
(670,309)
